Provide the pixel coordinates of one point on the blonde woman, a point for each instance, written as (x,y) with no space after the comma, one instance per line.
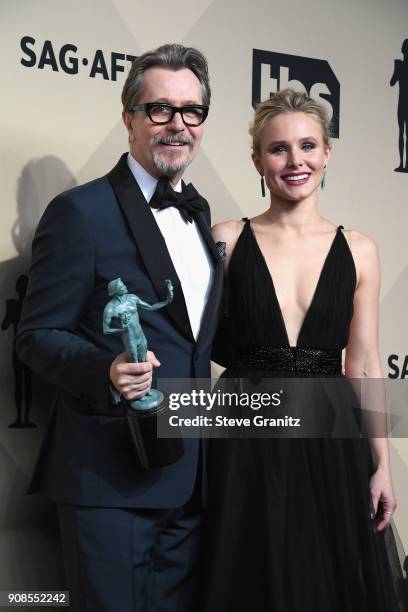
(300,524)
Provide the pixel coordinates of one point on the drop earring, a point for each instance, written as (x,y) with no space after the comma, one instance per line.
(262,186)
(323,183)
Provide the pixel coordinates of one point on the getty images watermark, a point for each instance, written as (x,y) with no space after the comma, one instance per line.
(304,407)
(220,400)
(209,400)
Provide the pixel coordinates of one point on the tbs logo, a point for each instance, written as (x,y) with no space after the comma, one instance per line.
(272,72)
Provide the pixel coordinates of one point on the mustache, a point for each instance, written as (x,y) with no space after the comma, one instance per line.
(182,139)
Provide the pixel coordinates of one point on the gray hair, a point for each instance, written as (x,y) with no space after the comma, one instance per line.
(173,57)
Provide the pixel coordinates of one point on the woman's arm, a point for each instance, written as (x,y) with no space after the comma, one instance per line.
(363,362)
(228,233)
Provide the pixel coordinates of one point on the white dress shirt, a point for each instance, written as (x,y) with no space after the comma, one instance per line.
(186,247)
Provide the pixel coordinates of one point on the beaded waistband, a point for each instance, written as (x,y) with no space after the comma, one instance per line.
(291,359)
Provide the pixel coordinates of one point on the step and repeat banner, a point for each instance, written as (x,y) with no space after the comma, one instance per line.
(63,65)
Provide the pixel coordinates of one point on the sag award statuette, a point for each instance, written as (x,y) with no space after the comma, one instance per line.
(121,316)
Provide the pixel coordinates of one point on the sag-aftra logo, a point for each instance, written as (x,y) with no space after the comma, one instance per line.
(69,59)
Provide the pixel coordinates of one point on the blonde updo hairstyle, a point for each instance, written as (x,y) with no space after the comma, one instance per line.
(287,101)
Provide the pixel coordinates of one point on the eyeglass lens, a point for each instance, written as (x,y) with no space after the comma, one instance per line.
(163,114)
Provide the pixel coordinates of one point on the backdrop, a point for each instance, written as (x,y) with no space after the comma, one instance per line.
(63,65)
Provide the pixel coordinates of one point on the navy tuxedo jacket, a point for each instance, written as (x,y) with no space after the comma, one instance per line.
(87,237)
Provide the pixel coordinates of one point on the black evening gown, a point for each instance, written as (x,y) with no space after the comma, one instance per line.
(289,525)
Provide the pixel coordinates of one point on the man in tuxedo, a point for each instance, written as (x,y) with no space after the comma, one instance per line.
(130,535)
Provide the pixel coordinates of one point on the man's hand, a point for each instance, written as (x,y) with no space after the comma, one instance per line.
(133,380)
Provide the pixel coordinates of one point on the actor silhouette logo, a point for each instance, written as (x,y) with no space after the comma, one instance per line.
(400,76)
(22,374)
(272,72)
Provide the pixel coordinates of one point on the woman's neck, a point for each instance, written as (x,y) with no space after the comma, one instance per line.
(293,214)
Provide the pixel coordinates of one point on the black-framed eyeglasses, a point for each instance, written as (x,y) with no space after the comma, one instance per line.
(161,113)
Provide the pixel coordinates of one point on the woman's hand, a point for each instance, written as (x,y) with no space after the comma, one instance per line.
(383,497)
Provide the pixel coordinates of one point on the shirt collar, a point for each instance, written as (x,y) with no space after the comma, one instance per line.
(146,181)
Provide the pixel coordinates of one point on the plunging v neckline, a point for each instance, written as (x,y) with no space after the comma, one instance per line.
(275,297)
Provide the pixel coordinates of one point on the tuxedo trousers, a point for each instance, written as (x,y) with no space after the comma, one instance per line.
(132,560)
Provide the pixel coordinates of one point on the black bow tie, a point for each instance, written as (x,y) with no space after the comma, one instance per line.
(187,202)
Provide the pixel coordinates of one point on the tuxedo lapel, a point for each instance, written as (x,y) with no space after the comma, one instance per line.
(150,242)
(206,234)
(210,315)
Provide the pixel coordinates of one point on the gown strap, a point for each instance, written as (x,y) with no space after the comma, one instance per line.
(247,221)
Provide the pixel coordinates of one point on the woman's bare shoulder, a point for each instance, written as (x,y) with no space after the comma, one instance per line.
(365,255)
(227,230)
(361,244)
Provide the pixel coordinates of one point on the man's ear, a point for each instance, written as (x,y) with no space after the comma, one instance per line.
(127,120)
